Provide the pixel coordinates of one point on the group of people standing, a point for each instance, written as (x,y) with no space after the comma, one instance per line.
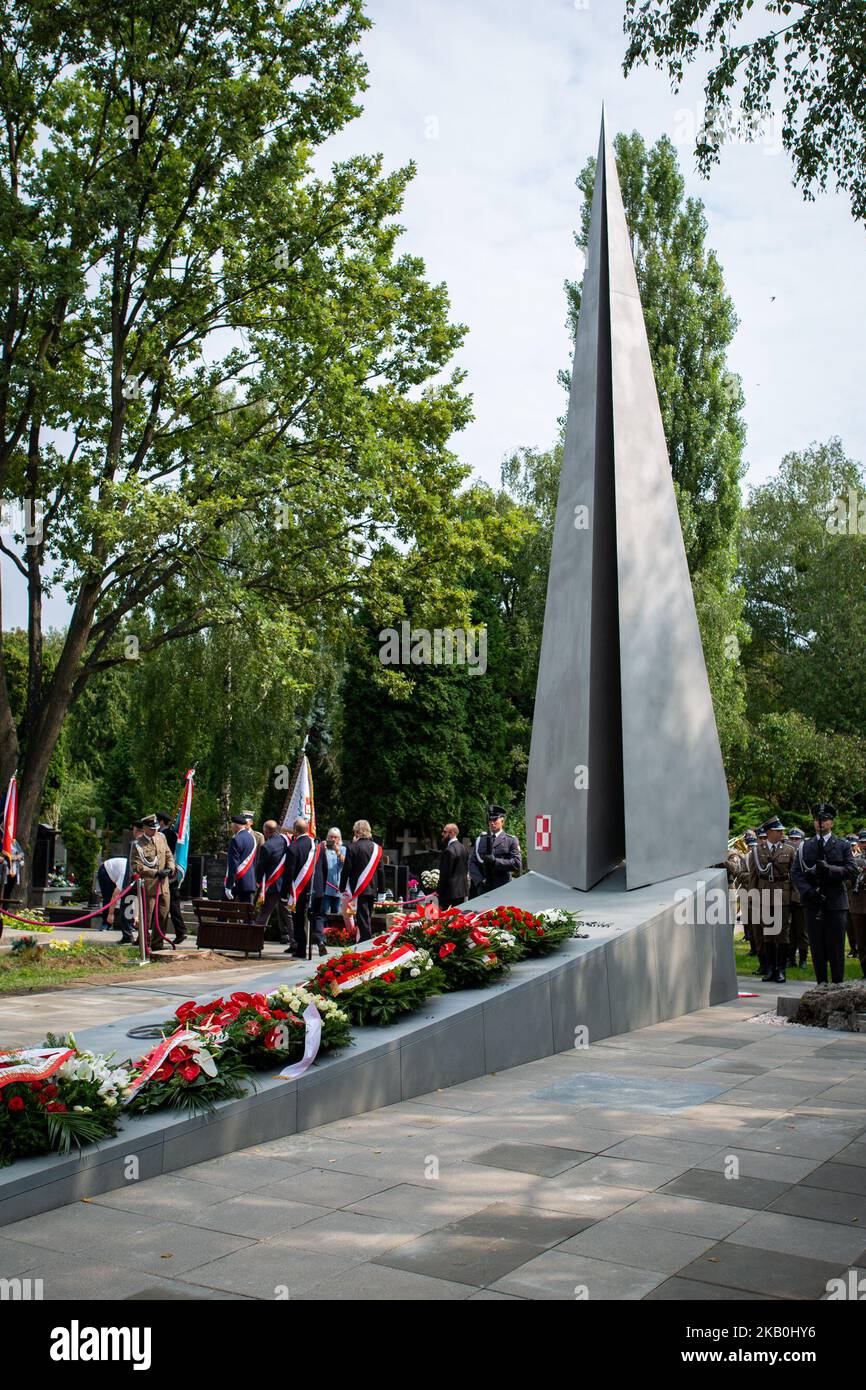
(803,896)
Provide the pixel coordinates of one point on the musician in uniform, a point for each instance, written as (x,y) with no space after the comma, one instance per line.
(857,902)
(306,876)
(495,855)
(362,877)
(240,880)
(798,947)
(271,876)
(769,873)
(822,869)
(153,861)
(453,883)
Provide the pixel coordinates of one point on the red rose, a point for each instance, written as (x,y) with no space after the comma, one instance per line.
(56,1108)
(50,1092)
(446,949)
(17,1103)
(35,1085)
(189,1071)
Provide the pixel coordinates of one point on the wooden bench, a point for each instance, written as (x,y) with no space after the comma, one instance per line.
(228,926)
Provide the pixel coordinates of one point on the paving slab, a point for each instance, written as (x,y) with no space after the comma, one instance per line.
(761,1271)
(644,1247)
(553,1275)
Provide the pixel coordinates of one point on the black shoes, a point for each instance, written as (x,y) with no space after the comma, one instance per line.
(323,950)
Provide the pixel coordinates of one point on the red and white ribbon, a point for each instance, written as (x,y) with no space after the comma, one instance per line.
(182,1037)
(366,874)
(380,965)
(34,1064)
(305,873)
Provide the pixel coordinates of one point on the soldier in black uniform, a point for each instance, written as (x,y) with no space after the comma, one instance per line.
(821,871)
(495,856)
(798,948)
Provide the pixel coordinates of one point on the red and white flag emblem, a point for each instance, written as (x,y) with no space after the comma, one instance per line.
(542,832)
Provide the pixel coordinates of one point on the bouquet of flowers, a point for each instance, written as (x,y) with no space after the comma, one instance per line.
(187,1071)
(56,1098)
(340,936)
(538,934)
(470,954)
(263,1031)
(430,879)
(378,985)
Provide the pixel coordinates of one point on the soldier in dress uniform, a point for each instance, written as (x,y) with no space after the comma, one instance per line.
(256,834)
(495,855)
(798,947)
(166,828)
(240,880)
(857,902)
(823,868)
(750,929)
(769,874)
(153,861)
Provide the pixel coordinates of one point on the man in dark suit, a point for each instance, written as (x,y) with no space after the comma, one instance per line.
(174,911)
(271,874)
(495,856)
(453,870)
(306,868)
(240,880)
(821,870)
(362,876)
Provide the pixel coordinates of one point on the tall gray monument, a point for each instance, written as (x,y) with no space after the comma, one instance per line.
(625,759)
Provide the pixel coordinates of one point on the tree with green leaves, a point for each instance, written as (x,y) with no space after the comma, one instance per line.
(222,388)
(803,565)
(816,50)
(690,323)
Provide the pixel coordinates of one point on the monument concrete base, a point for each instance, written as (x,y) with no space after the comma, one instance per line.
(644,958)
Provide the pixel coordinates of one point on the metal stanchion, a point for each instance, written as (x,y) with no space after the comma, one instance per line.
(142,925)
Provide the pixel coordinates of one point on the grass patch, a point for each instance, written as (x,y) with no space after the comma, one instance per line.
(747,965)
(24,971)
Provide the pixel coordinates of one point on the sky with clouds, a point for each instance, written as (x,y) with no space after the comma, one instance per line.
(498,103)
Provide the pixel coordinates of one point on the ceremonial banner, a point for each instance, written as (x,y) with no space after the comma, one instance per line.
(181,827)
(312,1039)
(10,816)
(300,801)
(34,1064)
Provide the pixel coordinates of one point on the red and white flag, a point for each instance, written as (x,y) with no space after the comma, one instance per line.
(10,816)
(300,802)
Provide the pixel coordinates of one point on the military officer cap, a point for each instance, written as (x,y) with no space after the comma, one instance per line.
(773,824)
(494,812)
(762,832)
(862,837)
(796,833)
(239,820)
(150,822)
(751,838)
(248,815)
(824,810)
(852,839)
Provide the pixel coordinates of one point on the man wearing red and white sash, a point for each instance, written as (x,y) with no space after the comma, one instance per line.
(306,871)
(362,876)
(240,881)
(271,874)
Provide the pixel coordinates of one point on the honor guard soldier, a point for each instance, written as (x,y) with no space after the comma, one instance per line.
(857,902)
(495,856)
(240,880)
(175,912)
(750,929)
(822,869)
(769,874)
(798,946)
(362,877)
(153,861)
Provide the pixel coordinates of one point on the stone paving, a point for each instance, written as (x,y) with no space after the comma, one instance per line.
(709,1157)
